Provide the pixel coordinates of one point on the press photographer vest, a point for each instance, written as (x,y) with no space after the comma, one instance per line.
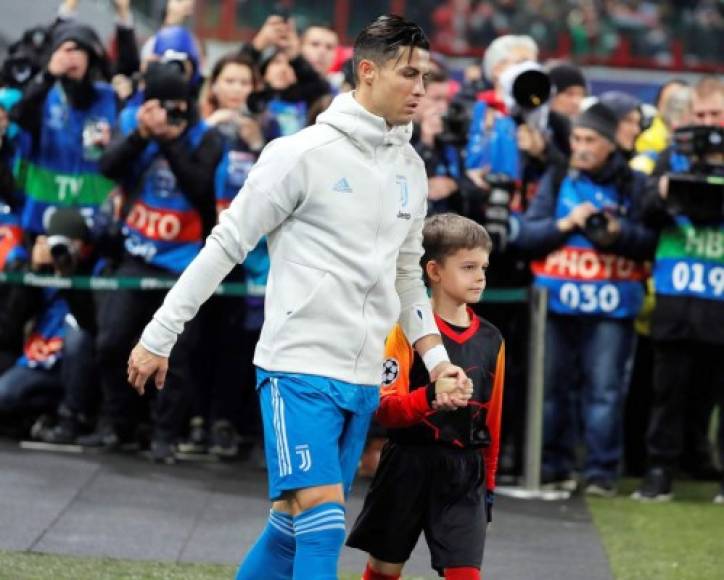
(690,257)
(61,169)
(496,148)
(162,227)
(581,279)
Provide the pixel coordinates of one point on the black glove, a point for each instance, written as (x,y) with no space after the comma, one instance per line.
(489,500)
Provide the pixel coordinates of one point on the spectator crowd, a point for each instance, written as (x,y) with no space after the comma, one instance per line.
(121,165)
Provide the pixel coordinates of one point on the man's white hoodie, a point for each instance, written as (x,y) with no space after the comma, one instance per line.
(343,204)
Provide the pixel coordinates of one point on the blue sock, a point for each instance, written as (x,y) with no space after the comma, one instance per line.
(272,556)
(319,533)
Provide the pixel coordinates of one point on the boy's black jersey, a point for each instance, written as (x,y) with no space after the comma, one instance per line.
(407,394)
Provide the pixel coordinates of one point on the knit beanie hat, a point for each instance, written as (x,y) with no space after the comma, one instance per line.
(619,102)
(564,76)
(599,118)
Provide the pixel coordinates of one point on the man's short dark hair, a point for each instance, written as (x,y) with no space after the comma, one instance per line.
(318,24)
(445,233)
(381,40)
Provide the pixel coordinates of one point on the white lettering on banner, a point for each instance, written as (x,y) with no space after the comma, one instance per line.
(137,247)
(68,185)
(589,265)
(589,297)
(708,243)
(155,224)
(693,277)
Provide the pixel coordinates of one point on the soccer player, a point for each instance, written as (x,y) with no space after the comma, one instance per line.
(343,205)
(437,472)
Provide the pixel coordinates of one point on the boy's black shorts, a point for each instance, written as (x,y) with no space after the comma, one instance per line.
(427,488)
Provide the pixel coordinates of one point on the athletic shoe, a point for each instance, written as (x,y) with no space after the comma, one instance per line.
(67,429)
(719,498)
(108,438)
(599,487)
(656,486)
(162,452)
(224,439)
(196,442)
(41,426)
(559,482)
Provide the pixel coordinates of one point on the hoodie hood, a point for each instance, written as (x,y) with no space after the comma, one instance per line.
(364,129)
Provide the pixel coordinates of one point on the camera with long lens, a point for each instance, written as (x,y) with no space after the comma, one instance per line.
(595,228)
(699,192)
(455,124)
(527,89)
(166,82)
(63,252)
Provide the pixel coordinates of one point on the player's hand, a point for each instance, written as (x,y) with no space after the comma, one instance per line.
(450,395)
(142,365)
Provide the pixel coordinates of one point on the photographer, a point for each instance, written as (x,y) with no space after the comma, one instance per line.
(502,134)
(225,400)
(684,204)
(69,116)
(57,368)
(166,160)
(584,228)
(439,133)
(291,86)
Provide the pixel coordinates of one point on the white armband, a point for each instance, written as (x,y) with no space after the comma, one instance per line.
(435,356)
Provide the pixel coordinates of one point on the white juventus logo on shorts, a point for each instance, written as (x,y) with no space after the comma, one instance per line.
(305,456)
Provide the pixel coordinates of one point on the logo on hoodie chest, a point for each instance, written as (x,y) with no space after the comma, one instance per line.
(403,212)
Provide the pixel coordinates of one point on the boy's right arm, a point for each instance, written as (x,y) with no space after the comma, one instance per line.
(268,197)
(401,406)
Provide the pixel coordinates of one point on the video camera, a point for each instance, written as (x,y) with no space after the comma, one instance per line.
(24,58)
(527,88)
(699,193)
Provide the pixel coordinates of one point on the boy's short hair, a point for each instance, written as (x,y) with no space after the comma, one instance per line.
(445,233)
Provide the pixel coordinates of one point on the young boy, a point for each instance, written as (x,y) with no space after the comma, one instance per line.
(437,472)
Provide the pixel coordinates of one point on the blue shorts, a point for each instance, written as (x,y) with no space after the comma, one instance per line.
(314,429)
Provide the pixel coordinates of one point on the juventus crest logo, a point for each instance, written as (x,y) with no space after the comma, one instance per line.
(305,457)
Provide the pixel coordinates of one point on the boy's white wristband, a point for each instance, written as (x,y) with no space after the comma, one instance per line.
(434,357)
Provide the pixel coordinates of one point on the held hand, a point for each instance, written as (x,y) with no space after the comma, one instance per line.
(59,62)
(531,141)
(151,118)
(440,187)
(453,388)
(273,32)
(40,255)
(142,365)
(477,176)
(577,218)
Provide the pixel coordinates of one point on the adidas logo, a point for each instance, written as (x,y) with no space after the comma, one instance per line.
(342,186)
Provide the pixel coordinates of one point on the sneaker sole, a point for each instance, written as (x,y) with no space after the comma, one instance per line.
(569,485)
(661,498)
(599,492)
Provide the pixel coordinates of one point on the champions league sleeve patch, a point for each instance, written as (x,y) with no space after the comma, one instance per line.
(390,371)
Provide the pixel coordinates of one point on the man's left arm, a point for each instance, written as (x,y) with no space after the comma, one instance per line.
(416,318)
